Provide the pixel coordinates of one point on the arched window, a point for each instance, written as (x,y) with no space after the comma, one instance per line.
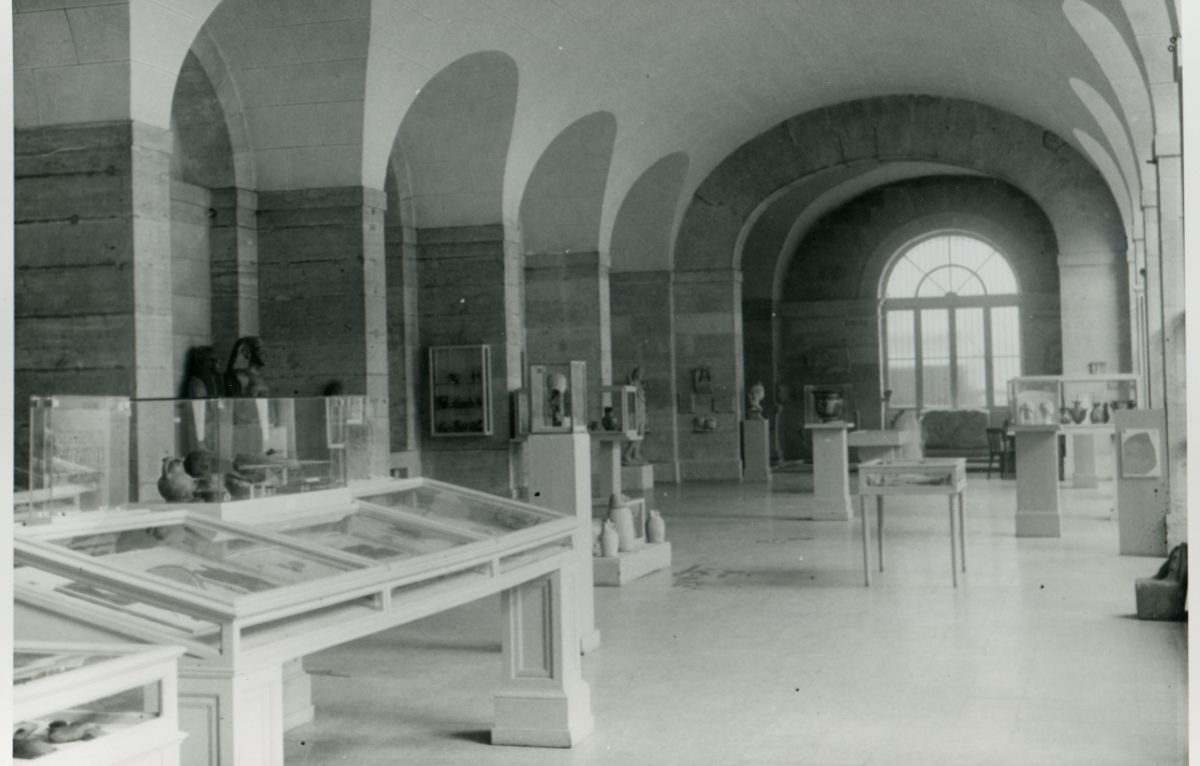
(951,324)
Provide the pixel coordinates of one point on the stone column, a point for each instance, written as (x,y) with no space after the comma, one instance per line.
(233,248)
(643,335)
(708,335)
(1170,196)
(567,311)
(469,292)
(322,298)
(92,277)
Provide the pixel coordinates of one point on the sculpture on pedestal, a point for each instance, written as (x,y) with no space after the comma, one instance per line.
(754,398)
(243,373)
(633,449)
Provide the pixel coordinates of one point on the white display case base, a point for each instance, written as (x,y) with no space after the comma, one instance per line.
(626,567)
(297,695)
(543,719)
(637,478)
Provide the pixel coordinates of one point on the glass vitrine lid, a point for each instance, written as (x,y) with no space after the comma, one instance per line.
(372,535)
(477,514)
(205,558)
(30,665)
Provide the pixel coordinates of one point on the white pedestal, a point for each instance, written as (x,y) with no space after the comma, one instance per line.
(1144,524)
(637,478)
(544,701)
(560,478)
(297,695)
(1083,462)
(609,475)
(756,450)
(231,718)
(1038,513)
(625,567)
(831,470)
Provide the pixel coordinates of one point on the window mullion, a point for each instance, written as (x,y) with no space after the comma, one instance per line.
(989,369)
(952,323)
(919,362)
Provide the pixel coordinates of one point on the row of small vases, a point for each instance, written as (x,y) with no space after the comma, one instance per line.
(619,533)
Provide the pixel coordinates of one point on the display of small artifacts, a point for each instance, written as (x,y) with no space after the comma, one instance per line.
(243,373)
(704,424)
(460,390)
(754,399)
(828,403)
(1070,399)
(917,474)
(558,397)
(702,380)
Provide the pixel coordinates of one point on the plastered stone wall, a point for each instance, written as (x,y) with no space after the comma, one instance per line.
(468,282)
(191,293)
(322,297)
(642,336)
(567,312)
(829,318)
(708,336)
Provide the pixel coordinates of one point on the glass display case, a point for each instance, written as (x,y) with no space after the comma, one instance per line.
(617,410)
(831,403)
(79,456)
(95,703)
(460,391)
(1071,400)
(558,400)
(457,509)
(219,450)
(916,476)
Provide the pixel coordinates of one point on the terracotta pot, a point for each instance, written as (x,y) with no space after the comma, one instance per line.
(829,405)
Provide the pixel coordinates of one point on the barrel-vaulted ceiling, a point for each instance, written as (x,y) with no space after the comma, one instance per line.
(316,90)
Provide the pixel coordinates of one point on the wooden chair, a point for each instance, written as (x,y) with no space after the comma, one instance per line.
(1000,446)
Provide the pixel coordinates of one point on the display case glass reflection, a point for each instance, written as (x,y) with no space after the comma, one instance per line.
(78,456)
(558,397)
(617,410)
(69,698)
(1070,400)
(482,515)
(218,450)
(206,557)
(371,534)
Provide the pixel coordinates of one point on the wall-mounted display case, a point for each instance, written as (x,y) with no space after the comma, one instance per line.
(79,456)
(832,403)
(558,397)
(1071,400)
(460,391)
(617,410)
(95,704)
(218,450)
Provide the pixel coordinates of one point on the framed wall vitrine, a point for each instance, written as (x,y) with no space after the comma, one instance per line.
(460,391)
(558,397)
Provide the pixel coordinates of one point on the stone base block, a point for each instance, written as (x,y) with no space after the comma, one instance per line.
(537,718)
(1159,599)
(626,567)
(1085,481)
(637,478)
(1039,524)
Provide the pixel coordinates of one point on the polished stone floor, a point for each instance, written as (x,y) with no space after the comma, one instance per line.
(761,646)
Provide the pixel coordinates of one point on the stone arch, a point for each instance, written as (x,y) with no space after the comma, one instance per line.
(564,196)
(444,183)
(641,234)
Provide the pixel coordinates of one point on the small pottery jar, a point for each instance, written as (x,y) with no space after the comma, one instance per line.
(656,528)
(610,541)
(1078,412)
(1098,414)
(1106,413)
(1065,416)
(622,518)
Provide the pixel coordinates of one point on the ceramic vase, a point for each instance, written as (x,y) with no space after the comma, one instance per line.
(610,541)
(1106,414)
(1098,414)
(1065,416)
(829,405)
(1078,412)
(656,528)
(621,517)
